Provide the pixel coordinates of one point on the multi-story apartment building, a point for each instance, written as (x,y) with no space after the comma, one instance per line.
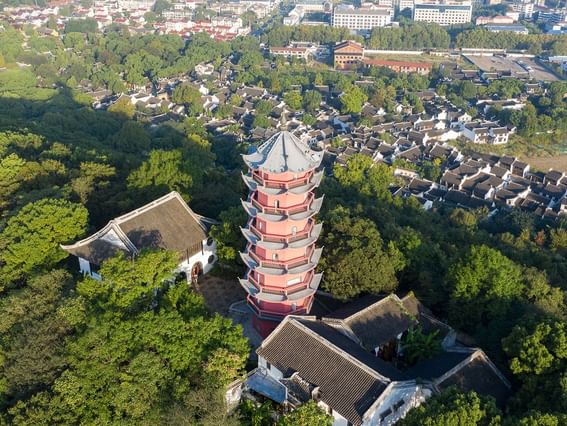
(404,4)
(524,7)
(443,12)
(361,18)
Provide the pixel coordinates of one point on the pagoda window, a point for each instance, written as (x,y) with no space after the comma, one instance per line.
(294,230)
(277,204)
(275,256)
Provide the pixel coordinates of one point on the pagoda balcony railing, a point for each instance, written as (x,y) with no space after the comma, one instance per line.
(289,290)
(278,184)
(272,314)
(274,238)
(298,208)
(282,264)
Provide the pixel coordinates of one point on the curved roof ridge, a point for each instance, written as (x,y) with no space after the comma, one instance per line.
(115,224)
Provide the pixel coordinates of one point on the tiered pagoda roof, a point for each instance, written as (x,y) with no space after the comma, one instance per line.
(283,152)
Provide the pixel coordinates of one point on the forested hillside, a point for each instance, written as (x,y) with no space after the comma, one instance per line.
(73,350)
(138,348)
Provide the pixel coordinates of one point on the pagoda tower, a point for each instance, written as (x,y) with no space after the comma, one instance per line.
(281,232)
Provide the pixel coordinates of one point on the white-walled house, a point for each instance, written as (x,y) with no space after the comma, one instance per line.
(344,363)
(166,223)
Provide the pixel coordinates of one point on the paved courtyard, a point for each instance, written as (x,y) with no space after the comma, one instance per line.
(219,293)
(226,297)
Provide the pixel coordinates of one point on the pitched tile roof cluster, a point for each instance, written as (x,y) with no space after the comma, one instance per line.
(332,359)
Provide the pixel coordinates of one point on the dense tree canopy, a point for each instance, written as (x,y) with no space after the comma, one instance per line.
(307,414)
(356,259)
(141,343)
(538,358)
(31,239)
(484,286)
(453,408)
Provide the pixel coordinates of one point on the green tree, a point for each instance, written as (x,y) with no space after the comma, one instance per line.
(194,126)
(309,120)
(293,99)
(190,97)
(356,260)
(418,346)
(235,100)
(160,6)
(129,286)
(353,99)
(30,241)
(124,107)
(142,346)
(228,236)
(92,176)
(308,414)
(84,26)
(484,284)
(33,333)
(263,107)
(538,359)
(312,100)
(162,172)
(11,177)
(453,408)
(223,111)
(132,138)
(363,177)
(261,121)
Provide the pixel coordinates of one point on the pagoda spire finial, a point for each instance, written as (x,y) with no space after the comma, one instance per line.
(283,123)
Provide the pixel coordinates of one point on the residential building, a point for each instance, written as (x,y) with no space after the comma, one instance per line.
(510,28)
(166,223)
(293,51)
(496,20)
(422,68)
(294,16)
(347,54)
(281,255)
(346,362)
(524,7)
(551,16)
(315,5)
(443,12)
(486,133)
(402,5)
(361,18)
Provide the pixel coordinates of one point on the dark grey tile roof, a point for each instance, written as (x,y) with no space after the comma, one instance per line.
(169,225)
(166,223)
(435,367)
(380,322)
(345,384)
(479,376)
(96,251)
(341,341)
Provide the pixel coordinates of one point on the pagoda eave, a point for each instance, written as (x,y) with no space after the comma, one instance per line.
(313,209)
(253,185)
(278,271)
(309,239)
(282,297)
